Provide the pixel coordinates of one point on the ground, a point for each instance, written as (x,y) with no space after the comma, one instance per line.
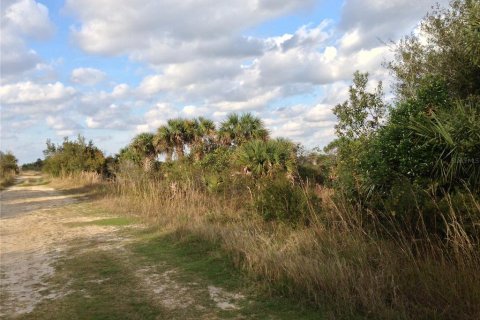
(63,257)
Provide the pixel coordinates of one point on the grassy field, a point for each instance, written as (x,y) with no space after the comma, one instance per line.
(104,284)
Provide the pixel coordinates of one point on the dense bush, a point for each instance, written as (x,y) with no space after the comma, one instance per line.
(402,164)
(36,166)
(8,163)
(73,157)
(280,199)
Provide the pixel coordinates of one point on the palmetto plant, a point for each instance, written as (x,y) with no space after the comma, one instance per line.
(456,133)
(264,158)
(238,129)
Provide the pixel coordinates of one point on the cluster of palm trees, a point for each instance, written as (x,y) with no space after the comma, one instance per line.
(197,136)
(181,134)
(246,133)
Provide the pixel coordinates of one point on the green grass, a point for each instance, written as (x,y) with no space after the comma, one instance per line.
(102,286)
(105,284)
(201,261)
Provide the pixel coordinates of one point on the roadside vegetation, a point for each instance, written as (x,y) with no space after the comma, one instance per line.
(383,223)
(8,169)
(33,166)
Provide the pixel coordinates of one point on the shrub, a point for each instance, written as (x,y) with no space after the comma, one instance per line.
(35,166)
(8,164)
(279,199)
(73,157)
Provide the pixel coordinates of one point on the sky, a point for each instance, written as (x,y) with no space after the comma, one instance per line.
(110,69)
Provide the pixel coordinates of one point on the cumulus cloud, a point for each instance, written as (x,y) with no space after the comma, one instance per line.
(366,23)
(63,126)
(158,116)
(167,31)
(112,117)
(21,19)
(30,93)
(29,18)
(87,76)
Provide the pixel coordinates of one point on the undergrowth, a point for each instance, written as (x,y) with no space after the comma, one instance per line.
(337,262)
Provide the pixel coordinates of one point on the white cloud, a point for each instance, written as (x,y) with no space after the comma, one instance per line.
(63,126)
(367,23)
(112,117)
(29,18)
(171,31)
(30,93)
(120,90)
(157,116)
(20,19)
(87,76)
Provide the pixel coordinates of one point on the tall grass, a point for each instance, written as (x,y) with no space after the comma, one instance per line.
(336,263)
(7,179)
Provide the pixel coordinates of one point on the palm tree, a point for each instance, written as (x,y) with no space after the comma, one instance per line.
(236,130)
(182,134)
(164,142)
(203,136)
(251,128)
(228,129)
(143,145)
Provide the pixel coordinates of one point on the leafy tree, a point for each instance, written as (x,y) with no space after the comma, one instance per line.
(396,152)
(363,112)
(73,156)
(36,166)
(447,47)
(358,119)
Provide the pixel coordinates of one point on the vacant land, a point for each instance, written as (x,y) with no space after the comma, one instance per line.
(63,257)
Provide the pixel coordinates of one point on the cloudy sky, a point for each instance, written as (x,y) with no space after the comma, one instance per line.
(109,69)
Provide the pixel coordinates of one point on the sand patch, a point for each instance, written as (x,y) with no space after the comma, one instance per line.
(33,240)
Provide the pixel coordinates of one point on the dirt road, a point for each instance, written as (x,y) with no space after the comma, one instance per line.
(33,236)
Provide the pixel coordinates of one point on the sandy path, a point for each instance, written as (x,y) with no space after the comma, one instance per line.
(34,233)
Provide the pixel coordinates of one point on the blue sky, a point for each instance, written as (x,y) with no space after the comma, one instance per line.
(109,69)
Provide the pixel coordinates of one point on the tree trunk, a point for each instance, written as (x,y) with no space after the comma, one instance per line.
(180,152)
(147,164)
(169,155)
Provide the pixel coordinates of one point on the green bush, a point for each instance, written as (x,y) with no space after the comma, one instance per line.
(279,199)
(8,164)
(35,166)
(73,157)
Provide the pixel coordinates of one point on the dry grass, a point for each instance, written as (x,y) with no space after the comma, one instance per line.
(335,263)
(7,180)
